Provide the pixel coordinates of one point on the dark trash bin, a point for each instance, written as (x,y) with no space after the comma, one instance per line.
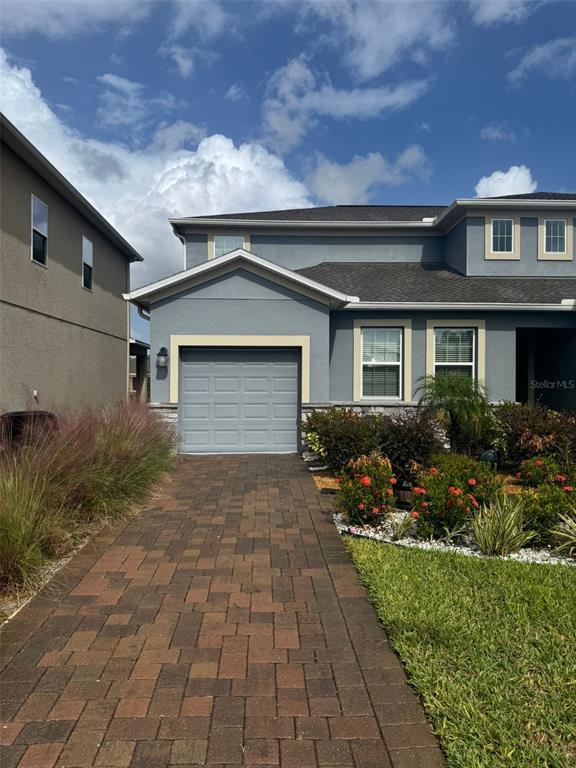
(18,426)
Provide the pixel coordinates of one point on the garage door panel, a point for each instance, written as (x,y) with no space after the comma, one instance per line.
(196,410)
(256,411)
(226,410)
(239,400)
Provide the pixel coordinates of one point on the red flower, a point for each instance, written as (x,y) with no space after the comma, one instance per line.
(414,514)
(365,481)
(560,479)
(375,510)
(361,506)
(433,471)
(467,509)
(455,491)
(393,481)
(538,463)
(338,480)
(418,490)
(567,488)
(390,492)
(423,504)
(472,481)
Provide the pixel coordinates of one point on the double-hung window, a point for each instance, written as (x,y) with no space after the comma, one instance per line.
(39,231)
(502,236)
(87,262)
(382,362)
(455,352)
(555,236)
(226,243)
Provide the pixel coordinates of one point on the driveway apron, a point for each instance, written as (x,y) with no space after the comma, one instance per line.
(224,626)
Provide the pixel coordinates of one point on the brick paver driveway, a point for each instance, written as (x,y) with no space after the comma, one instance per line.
(224,627)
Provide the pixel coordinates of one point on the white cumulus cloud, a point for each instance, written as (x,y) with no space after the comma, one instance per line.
(296,98)
(517,180)
(374,35)
(489,12)
(353,182)
(498,132)
(138,189)
(555,58)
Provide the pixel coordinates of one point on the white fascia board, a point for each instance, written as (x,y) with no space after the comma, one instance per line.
(294,224)
(239,255)
(494,204)
(565,305)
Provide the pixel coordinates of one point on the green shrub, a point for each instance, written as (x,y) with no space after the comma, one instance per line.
(410,438)
(541,469)
(463,409)
(448,493)
(498,528)
(342,435)
(94,466)
(366,491)
(525,431)
(543,507)
(565,533)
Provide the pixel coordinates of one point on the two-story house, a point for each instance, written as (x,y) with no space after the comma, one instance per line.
(64,325)
(279,312)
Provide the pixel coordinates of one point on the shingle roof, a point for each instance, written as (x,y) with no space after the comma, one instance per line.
(394,282)
(340,213)
(537,196)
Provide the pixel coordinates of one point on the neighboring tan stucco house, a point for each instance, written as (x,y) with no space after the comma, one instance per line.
(64,333)
(279,312)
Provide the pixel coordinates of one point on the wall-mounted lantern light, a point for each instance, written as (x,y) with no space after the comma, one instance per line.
(162,358)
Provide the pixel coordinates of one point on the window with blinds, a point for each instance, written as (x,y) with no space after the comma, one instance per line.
(226,243)
(455,352)
(382,362)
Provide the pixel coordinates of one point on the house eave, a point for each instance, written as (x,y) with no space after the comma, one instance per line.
(566,305)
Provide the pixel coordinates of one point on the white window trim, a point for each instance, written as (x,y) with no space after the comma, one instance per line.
(178,341)
(84,262)
(212,247)
(489,254)
(479,352)
(32,228)
(543,254)
(406,360)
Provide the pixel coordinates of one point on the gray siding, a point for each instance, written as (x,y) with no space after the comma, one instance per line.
(196,250)
(241,303)
(527,266)
(455,247)
(57,337)
(500,347)
(298,251)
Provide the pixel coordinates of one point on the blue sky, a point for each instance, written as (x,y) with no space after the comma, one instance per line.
(189,107)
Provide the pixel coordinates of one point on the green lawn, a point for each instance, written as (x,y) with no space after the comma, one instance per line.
(491,647)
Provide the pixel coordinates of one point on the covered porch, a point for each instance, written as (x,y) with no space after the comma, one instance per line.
(546,367)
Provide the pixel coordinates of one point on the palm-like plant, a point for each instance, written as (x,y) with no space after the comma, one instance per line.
(461,406)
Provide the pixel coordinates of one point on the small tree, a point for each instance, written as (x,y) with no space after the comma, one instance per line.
(461,406)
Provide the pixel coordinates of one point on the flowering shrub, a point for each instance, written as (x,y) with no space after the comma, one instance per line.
(447,495)
(340,435)
(524,431)
(543,508)
(541,469)
(366,491)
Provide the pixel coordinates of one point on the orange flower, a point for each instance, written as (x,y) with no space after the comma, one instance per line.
(366,481)
(472,481)
(393,481)
(414,514)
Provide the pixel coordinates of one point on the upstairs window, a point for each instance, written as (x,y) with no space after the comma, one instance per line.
(382,362)
(555,236)
(502,236)
(39,231)
(226,243)
(87,263)
(455,352)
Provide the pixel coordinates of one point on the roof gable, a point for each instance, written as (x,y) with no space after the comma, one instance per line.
(178,283)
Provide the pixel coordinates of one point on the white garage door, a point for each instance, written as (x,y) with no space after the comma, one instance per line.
(239,400)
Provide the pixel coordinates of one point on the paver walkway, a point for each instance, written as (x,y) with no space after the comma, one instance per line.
(225,626)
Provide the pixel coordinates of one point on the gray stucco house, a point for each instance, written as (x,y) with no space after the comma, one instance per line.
(279,312)
(64,324)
